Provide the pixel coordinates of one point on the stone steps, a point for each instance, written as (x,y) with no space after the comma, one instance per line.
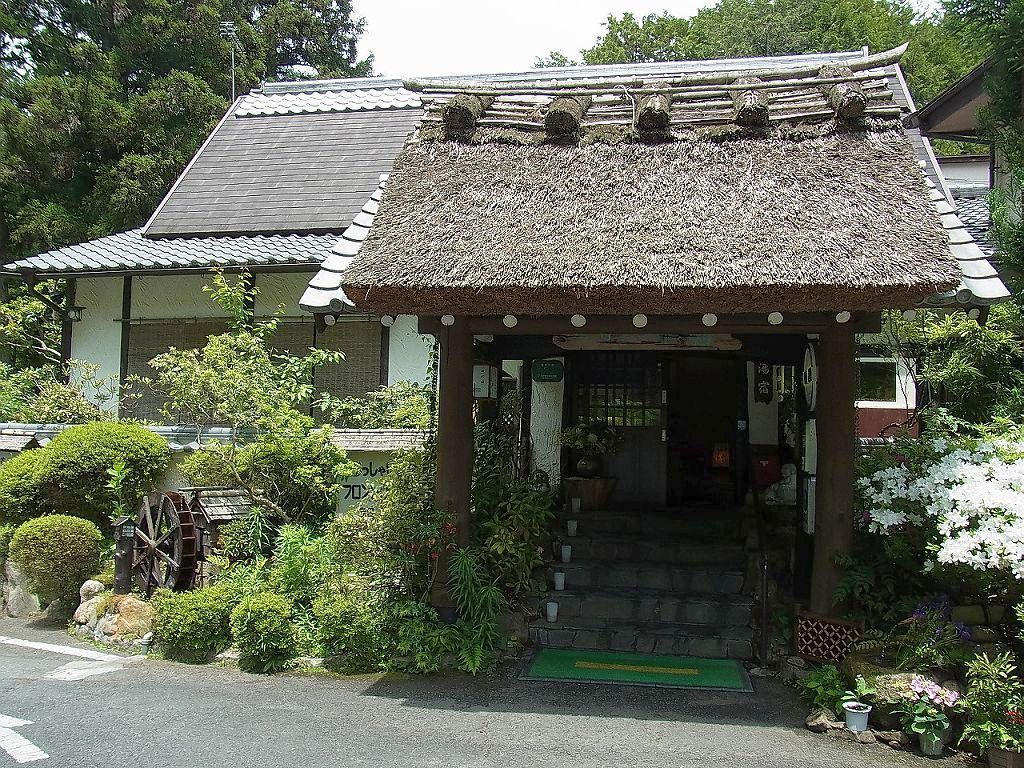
(653,606)
(654,637)
(638,548)
(604,574)
(681,525)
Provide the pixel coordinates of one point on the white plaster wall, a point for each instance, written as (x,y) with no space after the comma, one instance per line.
(546,425)
(97,338)
(965,173)
(172,296)
(764,417)
(408,351)
(281,290)
(372,465)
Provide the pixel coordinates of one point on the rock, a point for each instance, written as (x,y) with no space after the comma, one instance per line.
(978,615)
(892,687)
(823,721)
(793,668)
(981,634)
(514,625)
(59,611)
(309,662)
(86,612)
(229,655)
(760,672)
(90,589)
(952,685)
(20,601)
(895,739)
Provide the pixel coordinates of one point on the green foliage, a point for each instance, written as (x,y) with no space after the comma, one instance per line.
(262,631)
(393,540)
(597,439)
(354,626)
(923,718)
(246,539)
(21,486)
(929,640)
(41,396)
(6,532)
(57,553)
(279,459)
(194,626)
(860,694)
(511,519)
(423,640)
(994,703)
(402,405)
(940,51)
(303,562)
(480,601)
(824,688)
(77,461)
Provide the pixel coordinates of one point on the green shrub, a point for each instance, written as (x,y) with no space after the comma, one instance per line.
(6,532)
(402,405)
(262,632)
(57,553)
(355,628)
(21,487)
(194,626)
(823,688)
(75,476)
(303,562)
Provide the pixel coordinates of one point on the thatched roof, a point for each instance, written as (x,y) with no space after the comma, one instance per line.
(742,202)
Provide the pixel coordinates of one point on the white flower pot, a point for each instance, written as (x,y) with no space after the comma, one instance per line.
(566,553)
(930,745)
(559,581)
(574,504)
(551,611)
(571,526)
(856,718)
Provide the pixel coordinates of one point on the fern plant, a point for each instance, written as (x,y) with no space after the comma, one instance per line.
(479,601)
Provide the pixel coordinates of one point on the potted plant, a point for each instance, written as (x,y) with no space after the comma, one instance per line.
(591,444)
(855,707)
(925,715)
(994,704)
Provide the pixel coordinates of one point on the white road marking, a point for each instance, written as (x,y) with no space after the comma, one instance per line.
(66,650)
(16,745)
(76,670)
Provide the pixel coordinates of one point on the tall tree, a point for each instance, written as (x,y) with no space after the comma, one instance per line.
(938,52)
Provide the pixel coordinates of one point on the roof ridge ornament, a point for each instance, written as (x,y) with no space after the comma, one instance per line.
(750,108)
(846,97)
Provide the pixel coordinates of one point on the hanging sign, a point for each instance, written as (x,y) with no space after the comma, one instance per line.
(762,383)
(547,371)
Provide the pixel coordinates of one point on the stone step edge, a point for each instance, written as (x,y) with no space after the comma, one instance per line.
(660,629)
(732,598)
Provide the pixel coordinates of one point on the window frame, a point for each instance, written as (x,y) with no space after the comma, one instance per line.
(906,390)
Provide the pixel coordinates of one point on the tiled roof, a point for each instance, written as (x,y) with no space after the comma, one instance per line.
(308,173)
(15,440)
(332,96)
(980,284)
(221,505)
(130,251)
(324,292)
(972,208)
(379,439)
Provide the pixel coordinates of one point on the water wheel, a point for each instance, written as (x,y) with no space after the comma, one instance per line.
(165,544)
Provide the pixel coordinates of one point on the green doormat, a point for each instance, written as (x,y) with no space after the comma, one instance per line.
(637,669)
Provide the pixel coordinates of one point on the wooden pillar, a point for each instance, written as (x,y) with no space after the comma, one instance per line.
(837,439)
(455,424)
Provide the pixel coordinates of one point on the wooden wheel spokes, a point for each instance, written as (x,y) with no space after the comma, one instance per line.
(164,553)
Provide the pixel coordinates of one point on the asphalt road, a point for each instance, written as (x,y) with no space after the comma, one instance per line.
(159,714)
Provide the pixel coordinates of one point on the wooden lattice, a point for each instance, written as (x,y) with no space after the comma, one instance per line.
(822,639)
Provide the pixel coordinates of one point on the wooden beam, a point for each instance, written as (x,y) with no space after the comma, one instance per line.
(460,113)
(655,113)
(846,98)
(750,107)
(753,323)
(564,116)
(837,438)
(455,424)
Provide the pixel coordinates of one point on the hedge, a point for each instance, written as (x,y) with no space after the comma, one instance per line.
(262,631)
(194,626)
(57,553)
(69,475)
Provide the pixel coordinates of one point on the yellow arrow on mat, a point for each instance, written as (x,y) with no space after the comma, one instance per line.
(637,668)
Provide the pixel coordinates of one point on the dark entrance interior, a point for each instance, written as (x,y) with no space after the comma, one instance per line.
(704,401)
(679,414)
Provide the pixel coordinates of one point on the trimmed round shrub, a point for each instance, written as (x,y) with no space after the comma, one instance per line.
(57,553)
(194,626)
(75,471)
(262,632)
(21,487)
(354,629)
(6,532)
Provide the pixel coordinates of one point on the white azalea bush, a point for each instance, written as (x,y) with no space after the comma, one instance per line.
(962,503)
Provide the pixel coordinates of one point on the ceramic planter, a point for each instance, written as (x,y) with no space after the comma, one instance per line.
(551,611)
(856,716)
(1005,758)
(559,581)
(571,526)
(931,746)
(566,553)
